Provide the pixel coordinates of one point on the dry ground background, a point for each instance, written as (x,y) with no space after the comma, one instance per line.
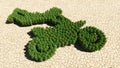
(103,14)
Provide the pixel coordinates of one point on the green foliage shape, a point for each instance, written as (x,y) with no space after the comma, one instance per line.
(63,32)
(91,39)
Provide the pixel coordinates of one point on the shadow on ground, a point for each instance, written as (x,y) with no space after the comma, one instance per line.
(31,34)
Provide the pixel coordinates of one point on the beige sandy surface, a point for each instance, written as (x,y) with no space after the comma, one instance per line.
(103,14)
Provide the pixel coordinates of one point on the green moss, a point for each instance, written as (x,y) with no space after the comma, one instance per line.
(63,32)
(91,38)
(40,49)
(25,18)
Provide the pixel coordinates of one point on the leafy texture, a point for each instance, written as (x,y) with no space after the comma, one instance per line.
(91,39)
(25,18)
(63,32)
(40,49)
